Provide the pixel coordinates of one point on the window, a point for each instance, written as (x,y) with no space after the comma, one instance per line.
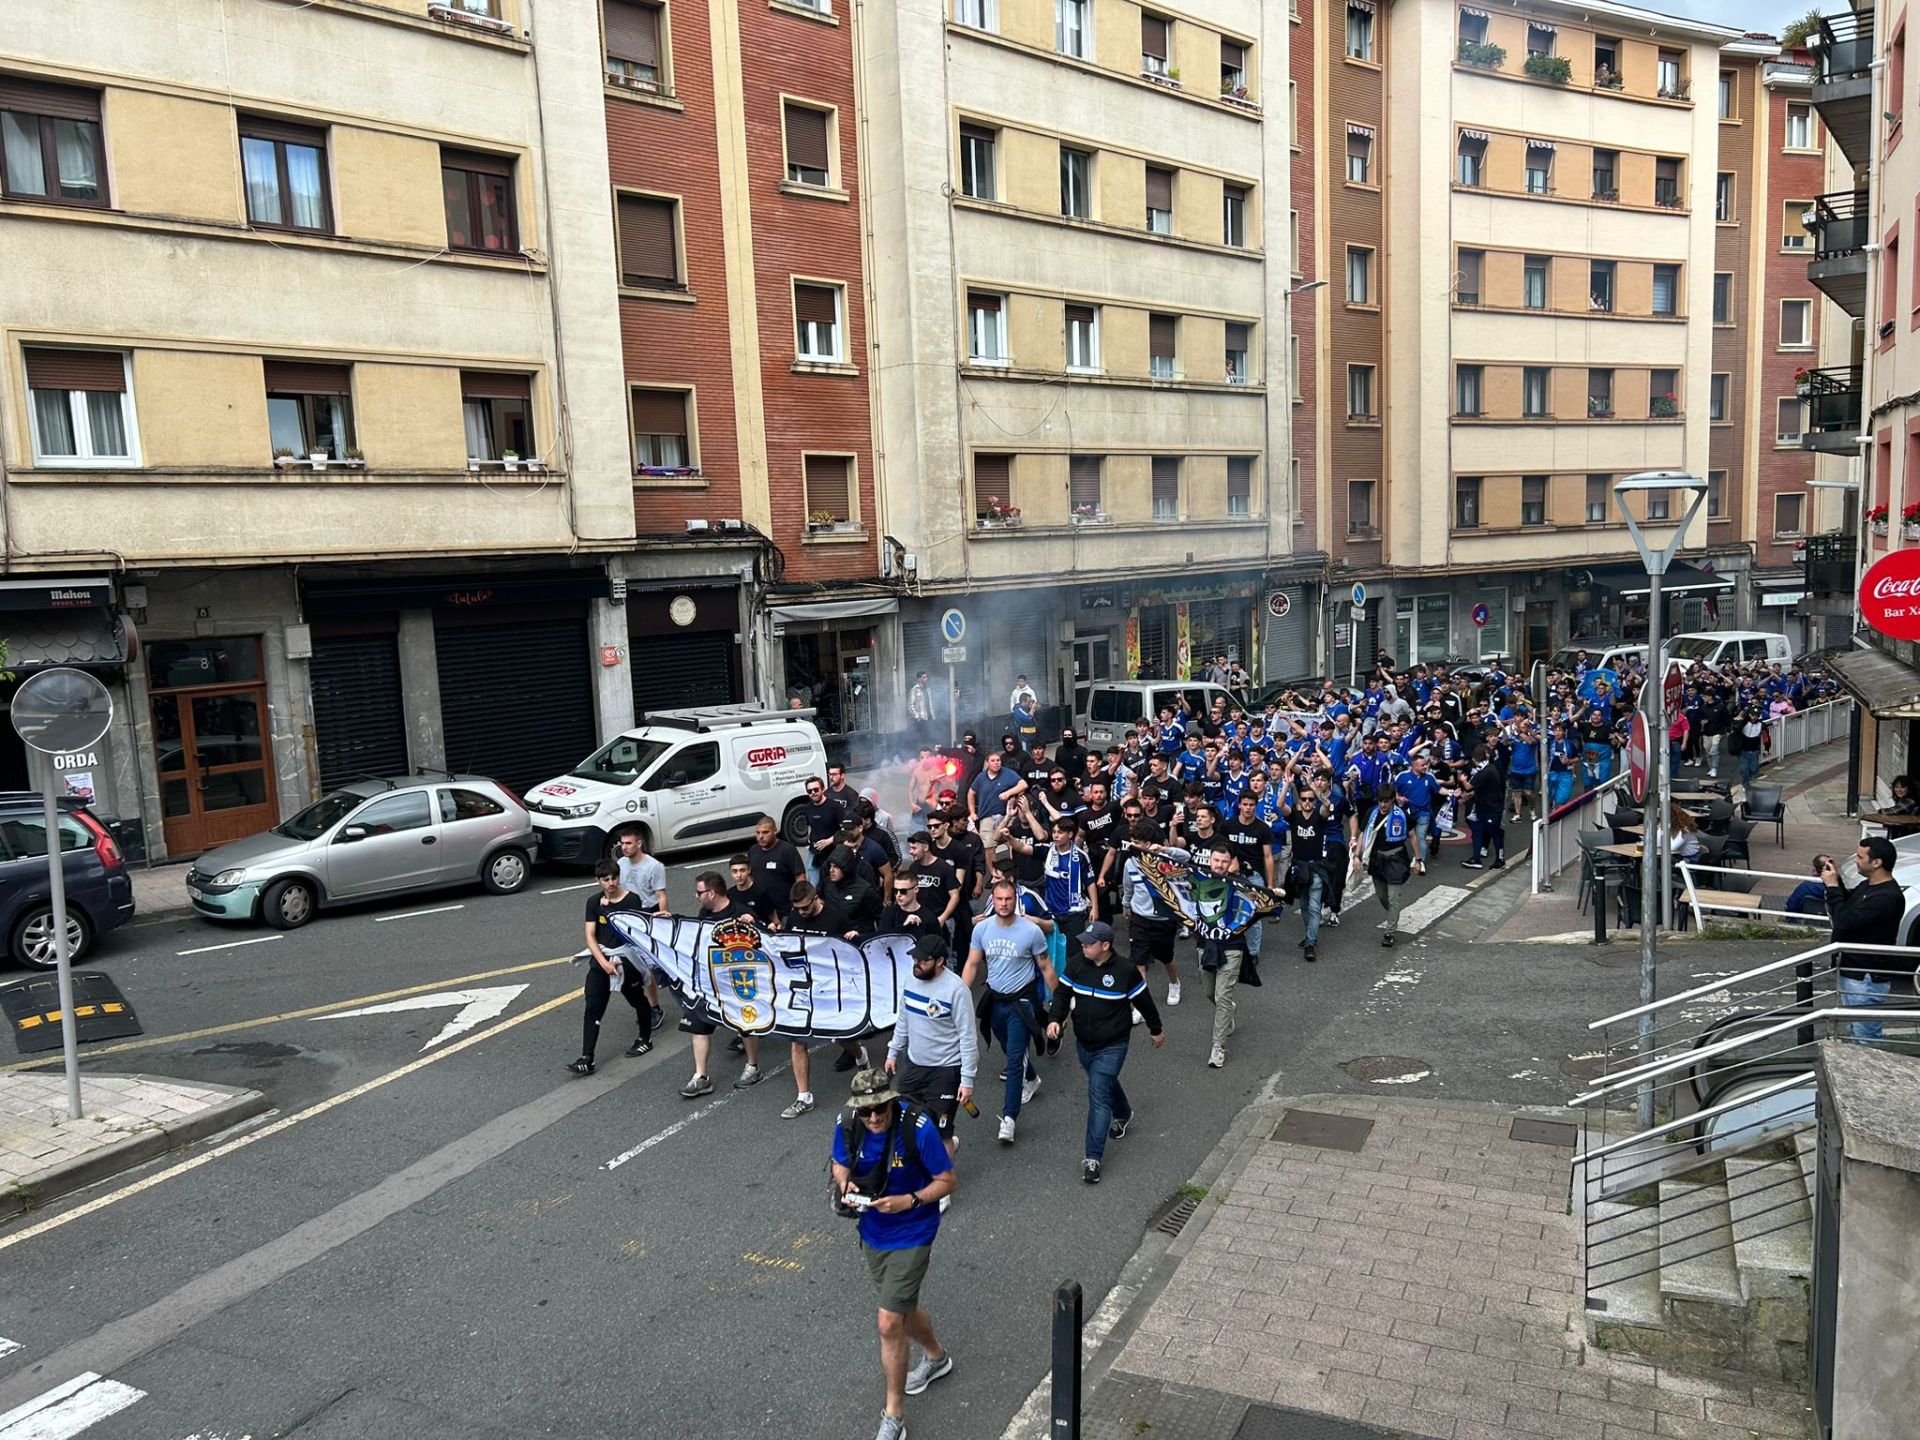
(1359,31)
(309,407)
(1076,183)
(393,814)
(660,430)
(1659,504)
(1716,494)
(1598,488)
(1233,217)
(1360,392)
(1723,197)
(1166,488)
(1723,298)
(285,169)
(1471,164)
(1599,394)
(816,316)
(1359,154)
(1293,240)
(986,328)
(1239,486)
(1153,44)
(1293,366)
(1724,97)
(1239,340)
(1083,482)
(649,242)
(1663,393)
(992,483)
(1890,280)
(498,410)
(1666,289)
(478,193)
(1789,515)
(1606,62)
(1672,84)
(694,763)
(1070,28)
(1717,397)
(1796,324)
(1533,282)
(633,44)
(1666,182)
(829,485)
(1600,286)
(1083,338)
(1233,68)
(80,409)
(1533,392)
(50,143)
(1360,507)
(1606,174)
(1162,335)
(1159,200)
(1792,422)
(1467,382)
(1533,499)
(977,14)
(1473,27)
(977,179)
(1539,168)
(1799,125)
(1540,39)
(809,146)
(1293,113)
(1793,230)
(1473,264)
(1359,275)
(1466,502)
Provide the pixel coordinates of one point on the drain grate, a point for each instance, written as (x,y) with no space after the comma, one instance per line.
(1174,1213)
(1265,1422)
(1328,1132)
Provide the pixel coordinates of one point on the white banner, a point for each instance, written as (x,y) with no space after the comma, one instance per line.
(763,982)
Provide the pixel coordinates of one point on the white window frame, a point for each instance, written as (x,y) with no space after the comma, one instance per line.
(1245,512)
(1089,364)
(1363,161)
(1080,191)
(1546,285)
(1783,437)
(1244,376)
(1591,505)
(1798,496)
(977,15)
(1543,185)
(806,337)
(1073,28)
(970,172)
(1172,513)
(1804,308)
(82,423)
(1799,116)
(1361,378)
(1360,33)
(1359,267)
(1233,217)
(978,351)
(1723,197)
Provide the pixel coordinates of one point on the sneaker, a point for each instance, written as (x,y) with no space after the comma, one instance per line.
(892,1427)
(1473,862)
(1173,993)
(845,1063)
(696,1087)
(1029,1090)
(659,1017)
(1331,917)
(1217,1058)
(928,1371)
(1499,863)
(1386,940)
(1310,956)
(1003,1075)
(582,1066)
(1006,1130)
(1117,1129)
(640,1046)
(1090,1171)
(749,1077)
(1419,867)
(800,1106)
(737,1045)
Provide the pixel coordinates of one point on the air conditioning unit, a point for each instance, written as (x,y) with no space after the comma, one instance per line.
(697,527)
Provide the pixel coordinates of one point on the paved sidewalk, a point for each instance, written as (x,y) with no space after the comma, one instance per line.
(1427,1283)
(160,888)
(127,1120)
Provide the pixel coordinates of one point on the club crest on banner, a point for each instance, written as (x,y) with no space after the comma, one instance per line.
(742,975)
(1217,907)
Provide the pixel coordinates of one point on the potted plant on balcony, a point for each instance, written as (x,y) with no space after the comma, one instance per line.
(510,459)
(1231,91)
(1598,409)
(1679,90)
(1803,382)
(1877,519)
(999,516)
(1479,52)
(1556,68)
(1664,407)
(1910,522)
(318,459)
(354,458)
(283,457)
(1091,515)
(1610,195)
(821,522)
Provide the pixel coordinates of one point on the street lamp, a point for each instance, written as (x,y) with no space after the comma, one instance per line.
(1654,842)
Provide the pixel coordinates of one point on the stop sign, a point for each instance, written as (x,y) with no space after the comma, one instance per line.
(1674,689)
(1637,759)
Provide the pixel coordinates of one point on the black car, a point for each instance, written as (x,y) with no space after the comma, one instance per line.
(99,891)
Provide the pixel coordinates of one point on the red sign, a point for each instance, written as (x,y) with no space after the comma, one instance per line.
(771,755)
(1637,758)
(1890,595)
(1674,689)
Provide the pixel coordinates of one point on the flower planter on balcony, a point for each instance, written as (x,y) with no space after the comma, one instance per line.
(1098,517)
(997,522)
(1485,56)
(669,472)
(1556,68)
(1158,78)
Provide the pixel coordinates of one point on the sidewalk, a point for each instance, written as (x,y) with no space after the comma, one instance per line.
(1425,1281)
(128,1120)
(160,888)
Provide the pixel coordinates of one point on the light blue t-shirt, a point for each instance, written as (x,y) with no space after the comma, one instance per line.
(1010,949)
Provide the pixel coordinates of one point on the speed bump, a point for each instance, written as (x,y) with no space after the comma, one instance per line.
(32,1007)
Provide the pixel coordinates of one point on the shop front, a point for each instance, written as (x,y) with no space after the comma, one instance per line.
(832,655)
(1610,601)
(685,646)
(1174,632)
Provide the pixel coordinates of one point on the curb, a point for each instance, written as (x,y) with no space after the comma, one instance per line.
(37,1189)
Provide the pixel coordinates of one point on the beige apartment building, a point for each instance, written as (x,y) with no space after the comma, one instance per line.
(291,452)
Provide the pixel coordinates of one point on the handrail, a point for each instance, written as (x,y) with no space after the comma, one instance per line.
(1804,956)
(1720,1047)
(1687,869)
(1773,1088)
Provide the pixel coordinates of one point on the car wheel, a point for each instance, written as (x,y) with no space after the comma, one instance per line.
(506,871)
(793,826)
(288,904)
(33,938)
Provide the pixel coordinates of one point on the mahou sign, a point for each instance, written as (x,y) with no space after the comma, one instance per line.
(1890,595)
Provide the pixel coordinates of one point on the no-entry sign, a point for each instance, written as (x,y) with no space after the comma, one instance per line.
(1637,759)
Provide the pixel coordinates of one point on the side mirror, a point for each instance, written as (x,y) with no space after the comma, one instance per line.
(352,832)
(676,779)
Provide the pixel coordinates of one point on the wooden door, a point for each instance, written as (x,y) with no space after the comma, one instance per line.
(210,742)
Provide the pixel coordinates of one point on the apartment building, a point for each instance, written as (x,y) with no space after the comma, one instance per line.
(293,454)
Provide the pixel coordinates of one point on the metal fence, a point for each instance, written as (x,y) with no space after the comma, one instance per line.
(1803,729)
(1556,843)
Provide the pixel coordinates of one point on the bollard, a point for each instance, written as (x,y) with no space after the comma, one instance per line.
(1066,1363)
(1599,909)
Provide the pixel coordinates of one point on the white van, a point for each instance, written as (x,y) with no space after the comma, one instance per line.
(684,778)
(1115,705)
(1601,655)
(1714,648)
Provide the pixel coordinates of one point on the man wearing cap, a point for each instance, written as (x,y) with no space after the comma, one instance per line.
(890,1168)
(1102,996)
(935,1050)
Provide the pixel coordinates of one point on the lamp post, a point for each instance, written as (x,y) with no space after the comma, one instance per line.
(1655,842)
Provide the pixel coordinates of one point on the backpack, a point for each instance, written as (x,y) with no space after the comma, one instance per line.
(900,1150)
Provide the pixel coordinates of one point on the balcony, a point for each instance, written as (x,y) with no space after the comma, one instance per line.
(1839,265)
(1833,410)
(1843,81)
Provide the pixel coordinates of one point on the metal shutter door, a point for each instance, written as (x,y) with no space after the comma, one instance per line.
(1287,653)
(359,717)
(1156,642)
(1029,652)
(694,667)
(1216,627)
(516,701)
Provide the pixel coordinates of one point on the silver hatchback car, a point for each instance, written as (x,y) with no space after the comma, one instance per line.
(369,839)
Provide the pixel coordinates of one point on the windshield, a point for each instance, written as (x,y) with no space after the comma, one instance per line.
(621,760)
(1692,647)
(321,816)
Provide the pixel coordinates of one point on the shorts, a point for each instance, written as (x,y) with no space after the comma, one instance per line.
(935,1089)
(1149,940)
(898,1275)
(1524,784)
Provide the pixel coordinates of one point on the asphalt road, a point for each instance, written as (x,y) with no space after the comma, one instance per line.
(430,1242)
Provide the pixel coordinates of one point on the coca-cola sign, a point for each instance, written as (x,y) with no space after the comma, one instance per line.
(1890,595)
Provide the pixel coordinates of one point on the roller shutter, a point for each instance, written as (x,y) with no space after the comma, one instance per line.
(1216,627)
(516,701)
(1287,648)
(359,717)
(692,667)
(1156,642)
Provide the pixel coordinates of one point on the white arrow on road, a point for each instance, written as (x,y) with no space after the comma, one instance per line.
(477,1006)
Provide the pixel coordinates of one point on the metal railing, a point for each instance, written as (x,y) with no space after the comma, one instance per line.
(1833,399)
(1801,730)
(1703,899)
(1838,223)
(1556,839)
(1843,46)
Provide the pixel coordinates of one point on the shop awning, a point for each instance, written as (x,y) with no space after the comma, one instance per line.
(1680,579)
(1888,687)
(834,609)
(89,637)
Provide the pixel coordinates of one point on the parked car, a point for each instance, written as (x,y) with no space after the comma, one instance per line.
(1114,706)
(1714,648)
(368,840)
(99,891)
(1601,655)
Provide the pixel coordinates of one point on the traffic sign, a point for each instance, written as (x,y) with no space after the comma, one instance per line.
(1674,690)
(1481,614)
(953,654)
(953,627)
(61,711)
(1359,612)
(1638,758)
(1279,603)
(1359,593)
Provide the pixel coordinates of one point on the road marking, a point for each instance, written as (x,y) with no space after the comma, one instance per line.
(68,1409)
(411,914)
(569,889)
(477,1006)
(674,1129)
(232,945)
(1430,907)
(7,1347)
(181,1037)
(772,1262)
(319,1108)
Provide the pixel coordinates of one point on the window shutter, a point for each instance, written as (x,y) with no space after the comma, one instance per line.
(807,137)
(1083,480)
(992,480)
(1159,189)
(63,102)
(478,163)
(1238,335)
(1160,333)
(1166,478)
(647,247)
(827,485)
(1153,36)
(1239,476)
(268,127)
(76,370)
(1233,55)
(495,385)
(306,377)
(815,304)
(977,133)
(660,412)
(633,32)
(1080,315)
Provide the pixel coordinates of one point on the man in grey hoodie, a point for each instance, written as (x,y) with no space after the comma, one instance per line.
(935,1050)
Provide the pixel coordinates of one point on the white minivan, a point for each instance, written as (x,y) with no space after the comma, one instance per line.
(685,778)
(1114,706)
(1714,648)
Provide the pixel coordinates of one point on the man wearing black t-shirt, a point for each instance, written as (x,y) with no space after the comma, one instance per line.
(1099,834)
(1306,875)
(938,884)
(607,959)
(823,825)
(710,891)
(960,848)
(1251,840)
(776,865)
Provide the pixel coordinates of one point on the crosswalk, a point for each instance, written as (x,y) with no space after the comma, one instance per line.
(67,1410)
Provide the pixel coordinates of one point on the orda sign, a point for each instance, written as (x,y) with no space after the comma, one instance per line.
(1890,595)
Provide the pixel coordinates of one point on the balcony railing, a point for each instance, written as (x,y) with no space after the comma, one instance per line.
(1833,407)
(1843,80)
(1839,223)
(1842,46)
